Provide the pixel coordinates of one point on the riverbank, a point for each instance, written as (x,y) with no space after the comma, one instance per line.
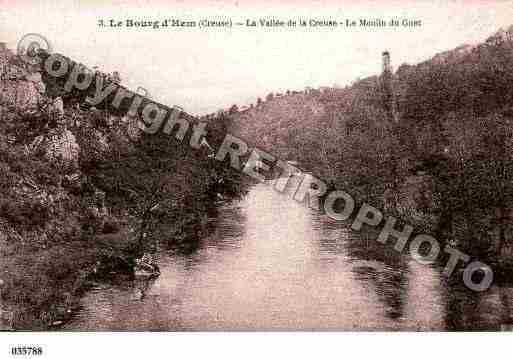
(266,262)
(41,286)
(85,194)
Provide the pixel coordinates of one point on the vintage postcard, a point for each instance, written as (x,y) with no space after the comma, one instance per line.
(255,166)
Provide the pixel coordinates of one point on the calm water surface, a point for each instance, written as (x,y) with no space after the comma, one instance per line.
(269,263)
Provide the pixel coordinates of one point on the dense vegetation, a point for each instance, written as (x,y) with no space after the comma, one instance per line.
(455,122)
(116,195)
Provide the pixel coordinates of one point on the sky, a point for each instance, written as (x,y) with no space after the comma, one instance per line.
(203,70)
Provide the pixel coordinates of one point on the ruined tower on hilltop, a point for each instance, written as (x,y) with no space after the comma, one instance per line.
(387,88)
(3,60)
(387,68)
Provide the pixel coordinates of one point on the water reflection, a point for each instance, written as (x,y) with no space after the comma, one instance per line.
(477,231)
(268,263)
(489,311)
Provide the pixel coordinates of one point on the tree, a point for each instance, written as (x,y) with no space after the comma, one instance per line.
(116,77)
(234,109)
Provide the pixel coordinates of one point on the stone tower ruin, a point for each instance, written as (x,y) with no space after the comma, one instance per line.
(387,87)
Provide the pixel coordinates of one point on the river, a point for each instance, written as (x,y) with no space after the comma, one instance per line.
(269,263)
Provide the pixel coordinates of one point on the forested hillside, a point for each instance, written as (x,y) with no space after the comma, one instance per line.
(456,108)
(440,156)
(86,193)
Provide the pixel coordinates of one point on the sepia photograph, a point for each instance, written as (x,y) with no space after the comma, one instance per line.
(259,166)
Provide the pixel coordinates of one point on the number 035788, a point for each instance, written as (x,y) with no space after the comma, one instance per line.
(28,350)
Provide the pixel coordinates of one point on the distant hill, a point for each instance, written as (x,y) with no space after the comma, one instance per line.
(347,132)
